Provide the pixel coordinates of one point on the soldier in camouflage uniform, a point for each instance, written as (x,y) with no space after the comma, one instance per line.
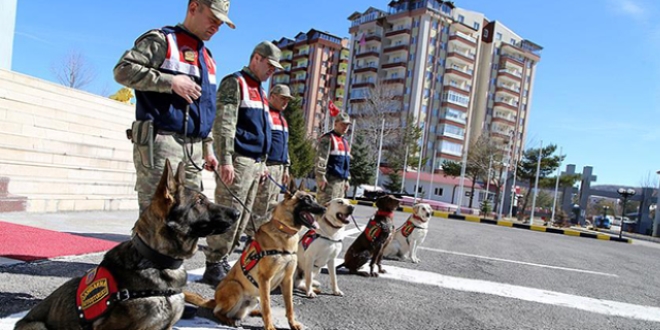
(241,139)
(278,161)
(333,161)
(171,71)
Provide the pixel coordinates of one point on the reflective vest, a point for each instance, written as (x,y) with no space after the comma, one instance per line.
(187,55)
(253,131)
(279,149)
(339,160)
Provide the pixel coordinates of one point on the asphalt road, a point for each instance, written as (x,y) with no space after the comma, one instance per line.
(472,276)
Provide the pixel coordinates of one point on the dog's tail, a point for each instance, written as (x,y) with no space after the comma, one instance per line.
(198,300)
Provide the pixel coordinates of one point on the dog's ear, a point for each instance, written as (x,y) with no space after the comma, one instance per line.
(292,187)
(326,204)
(166,186)
(416,208)
(181,174)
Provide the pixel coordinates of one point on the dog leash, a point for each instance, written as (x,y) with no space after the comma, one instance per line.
(355,222)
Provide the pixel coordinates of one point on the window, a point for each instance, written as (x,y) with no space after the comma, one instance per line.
(513,41)
(485,33)
(438,191)
(498,36)
(456,98)
(451,148)
(461,18)
(476,26)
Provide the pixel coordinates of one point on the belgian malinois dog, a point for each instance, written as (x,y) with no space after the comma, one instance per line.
(139,282)
(268,262)
(372,241)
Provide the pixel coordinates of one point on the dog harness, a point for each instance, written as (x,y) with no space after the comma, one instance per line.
(251,256)
(98,290)
(374,228)
(98,293)
(311,235)
(408,228)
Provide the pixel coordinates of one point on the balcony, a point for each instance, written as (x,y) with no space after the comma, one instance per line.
(524,53)
(299,79)
(397,48)
(299,68)
(394,80)
(464,38)
(511,105)
(301,54)
(399,31)
(367,84)
(369,53)
(459,72)
(510,90)
(281,79)
(506,117)
(366,68)
(465,57)
(511,74)
(461,88)
(394,64)
(515,60)
(372,37)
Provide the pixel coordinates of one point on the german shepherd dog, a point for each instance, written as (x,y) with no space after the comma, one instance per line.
(372,241)
(268,262)
(143,290)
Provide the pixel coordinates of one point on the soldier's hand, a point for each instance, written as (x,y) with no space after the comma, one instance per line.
(227,174)
(211,163)
(285,177)
(347,185)
(185,87)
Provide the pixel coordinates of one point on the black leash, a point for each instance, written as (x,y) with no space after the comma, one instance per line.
(356,224)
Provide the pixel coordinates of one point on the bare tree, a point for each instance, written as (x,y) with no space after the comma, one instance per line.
(382,102)
(74,70)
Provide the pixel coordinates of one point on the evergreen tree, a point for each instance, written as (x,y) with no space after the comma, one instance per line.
(362,164)
(301,150)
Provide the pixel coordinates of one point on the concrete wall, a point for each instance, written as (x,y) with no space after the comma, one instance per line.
(62,149)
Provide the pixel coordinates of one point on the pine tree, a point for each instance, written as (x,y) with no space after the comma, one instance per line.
(362,163)
(301,150)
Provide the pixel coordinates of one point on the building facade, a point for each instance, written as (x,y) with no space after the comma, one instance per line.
(456,73)
(315,68)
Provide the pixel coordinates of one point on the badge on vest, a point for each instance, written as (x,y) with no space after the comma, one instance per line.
(94,292)
(189,55)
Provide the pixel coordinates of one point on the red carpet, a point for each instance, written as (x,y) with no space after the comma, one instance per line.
(30,243)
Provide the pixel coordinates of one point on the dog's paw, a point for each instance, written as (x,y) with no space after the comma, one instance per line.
(382,271)
(373,274)
(294,326)
(338,293)
(311,295)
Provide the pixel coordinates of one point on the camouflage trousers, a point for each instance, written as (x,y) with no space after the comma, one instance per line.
(264,203)
(247,173)
(336,188)
(165,147)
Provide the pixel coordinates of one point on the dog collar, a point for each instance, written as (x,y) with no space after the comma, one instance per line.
(283,228)
(415,216)
(161,260)
(385,214)
(330,223)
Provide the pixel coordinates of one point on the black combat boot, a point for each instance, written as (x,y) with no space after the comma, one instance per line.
(216,272)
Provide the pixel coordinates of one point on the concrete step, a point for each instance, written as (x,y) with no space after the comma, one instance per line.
(67,203)
(30,186)
(93,147)
(16,153)
(16,169)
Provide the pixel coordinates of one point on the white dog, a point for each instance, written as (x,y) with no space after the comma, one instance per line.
(320,247)
(411,235)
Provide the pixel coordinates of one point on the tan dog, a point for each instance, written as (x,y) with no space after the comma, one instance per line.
(268,262)
(140,279)
(318,248)
(411,235)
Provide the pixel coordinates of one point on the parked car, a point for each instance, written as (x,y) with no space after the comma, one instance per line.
(617,220)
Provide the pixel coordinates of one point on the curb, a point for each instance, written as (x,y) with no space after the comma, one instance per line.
(477,219)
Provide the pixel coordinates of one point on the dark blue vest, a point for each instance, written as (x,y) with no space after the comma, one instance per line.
(253,131)
(187,55)
(339,160)
(279,149)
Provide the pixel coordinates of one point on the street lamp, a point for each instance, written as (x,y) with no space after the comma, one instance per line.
(625,194)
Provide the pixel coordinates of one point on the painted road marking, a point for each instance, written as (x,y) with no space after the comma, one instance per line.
(594,305)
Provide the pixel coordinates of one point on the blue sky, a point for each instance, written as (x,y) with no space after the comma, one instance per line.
(596,92)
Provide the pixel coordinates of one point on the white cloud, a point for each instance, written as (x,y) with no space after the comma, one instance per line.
(632,8)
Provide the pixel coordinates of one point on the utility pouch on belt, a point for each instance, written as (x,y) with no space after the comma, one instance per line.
(142,134)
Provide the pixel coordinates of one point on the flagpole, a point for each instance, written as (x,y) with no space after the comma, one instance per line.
(380,148)
(432,173)
(352,134)
(554,199)
(405,168)
(419,166)
(536,183)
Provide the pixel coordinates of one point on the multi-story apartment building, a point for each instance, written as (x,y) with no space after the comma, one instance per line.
(459,74)
(315,68)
